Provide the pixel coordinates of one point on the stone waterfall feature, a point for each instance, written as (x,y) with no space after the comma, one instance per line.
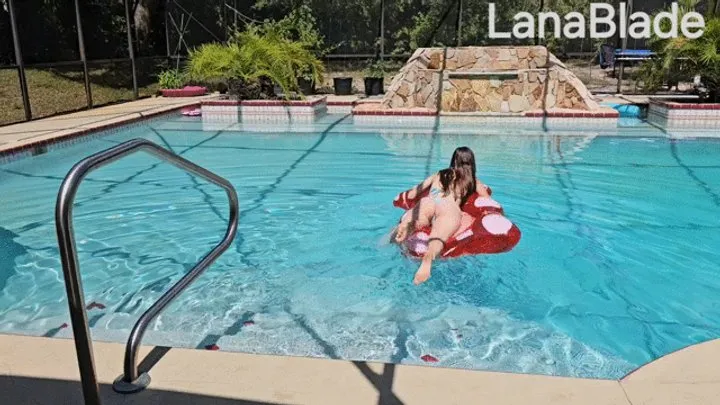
(487,80)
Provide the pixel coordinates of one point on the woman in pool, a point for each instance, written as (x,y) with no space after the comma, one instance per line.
(449,189)
(462,157)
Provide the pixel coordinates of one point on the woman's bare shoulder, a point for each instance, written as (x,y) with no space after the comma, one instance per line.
(432,179)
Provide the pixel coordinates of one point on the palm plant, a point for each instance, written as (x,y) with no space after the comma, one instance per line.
(253,56)
(214,62)
(714,7)
(268,54)
(699,57)
(683,58)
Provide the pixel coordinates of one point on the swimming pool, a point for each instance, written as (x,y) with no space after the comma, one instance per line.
(617,265)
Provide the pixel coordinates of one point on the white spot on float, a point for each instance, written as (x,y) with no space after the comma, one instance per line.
(417,243)
(496,224)
(487,202)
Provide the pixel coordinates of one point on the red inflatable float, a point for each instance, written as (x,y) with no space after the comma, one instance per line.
(192,112)
(490,231)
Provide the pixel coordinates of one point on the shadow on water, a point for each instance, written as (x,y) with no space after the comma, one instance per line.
(9,251)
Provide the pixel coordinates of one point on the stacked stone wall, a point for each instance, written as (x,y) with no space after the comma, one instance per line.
(487,79)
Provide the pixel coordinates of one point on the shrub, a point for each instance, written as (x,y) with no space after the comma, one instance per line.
(270,54)
(252,56)
(300,25)
(171,79)
(214,62)
(376,70)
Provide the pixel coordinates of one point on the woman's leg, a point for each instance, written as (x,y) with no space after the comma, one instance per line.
(443,228)
(420,216)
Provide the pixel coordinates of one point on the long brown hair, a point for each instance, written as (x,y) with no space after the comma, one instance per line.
(464,157)
(459,181)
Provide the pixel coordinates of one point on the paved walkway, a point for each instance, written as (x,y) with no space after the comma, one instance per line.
(16,135)
(44,371)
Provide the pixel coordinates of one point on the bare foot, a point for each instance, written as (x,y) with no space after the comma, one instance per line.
(423,273)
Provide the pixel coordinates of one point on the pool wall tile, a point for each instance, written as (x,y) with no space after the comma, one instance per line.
(229,111)
(672,115)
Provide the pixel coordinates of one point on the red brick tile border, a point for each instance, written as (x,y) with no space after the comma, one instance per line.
(341,103)
(673,105)
(224,103)
(568,114)
(396,112)
(529,114)
(266,103)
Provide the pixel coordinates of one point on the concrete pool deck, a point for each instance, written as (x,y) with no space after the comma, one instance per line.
(47,129)
(38,370)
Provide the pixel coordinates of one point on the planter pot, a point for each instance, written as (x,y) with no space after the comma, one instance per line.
(307,87)
(373,86)
(343,86)
(187,91)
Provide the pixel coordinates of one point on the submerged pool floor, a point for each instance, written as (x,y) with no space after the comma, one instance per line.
(617,266)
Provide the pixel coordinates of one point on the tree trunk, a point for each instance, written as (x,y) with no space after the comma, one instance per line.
(542,6)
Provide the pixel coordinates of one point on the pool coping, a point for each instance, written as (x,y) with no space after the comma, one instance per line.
(49,137)
(377,109)
(50,131)
(683,377)
(311,101)
(674,105)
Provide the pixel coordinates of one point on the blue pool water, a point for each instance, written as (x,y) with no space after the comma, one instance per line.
(617,266)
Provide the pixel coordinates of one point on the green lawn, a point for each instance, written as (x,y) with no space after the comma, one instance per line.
(54,91)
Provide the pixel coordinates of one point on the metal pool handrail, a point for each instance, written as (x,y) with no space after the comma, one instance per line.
(130,381)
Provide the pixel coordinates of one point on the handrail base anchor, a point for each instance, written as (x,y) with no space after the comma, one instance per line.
(123,387)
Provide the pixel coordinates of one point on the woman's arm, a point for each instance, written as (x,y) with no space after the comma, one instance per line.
(420,188)
(481,189)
